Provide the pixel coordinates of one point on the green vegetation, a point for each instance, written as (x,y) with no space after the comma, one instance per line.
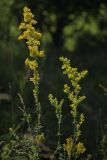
(27,146)
(69,30)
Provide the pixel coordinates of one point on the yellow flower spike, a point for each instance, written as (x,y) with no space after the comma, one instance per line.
(32,39)
(73,95)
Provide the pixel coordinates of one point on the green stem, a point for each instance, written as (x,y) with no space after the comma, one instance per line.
(38,111)
(59,131)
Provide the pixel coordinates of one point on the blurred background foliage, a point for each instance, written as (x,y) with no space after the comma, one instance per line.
(75,29)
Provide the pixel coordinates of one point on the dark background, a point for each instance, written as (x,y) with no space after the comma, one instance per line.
(71,28)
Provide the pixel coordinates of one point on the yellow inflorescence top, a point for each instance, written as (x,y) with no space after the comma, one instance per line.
(31,36)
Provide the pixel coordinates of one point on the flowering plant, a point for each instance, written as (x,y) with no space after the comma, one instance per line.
(29,146)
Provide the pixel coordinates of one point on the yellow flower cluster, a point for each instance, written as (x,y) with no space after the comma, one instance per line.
(53,100)
(32,65)
(69,147)
(56,104)
(73,74)
(74,77)
(75,99)
(31,36)
(80,149)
